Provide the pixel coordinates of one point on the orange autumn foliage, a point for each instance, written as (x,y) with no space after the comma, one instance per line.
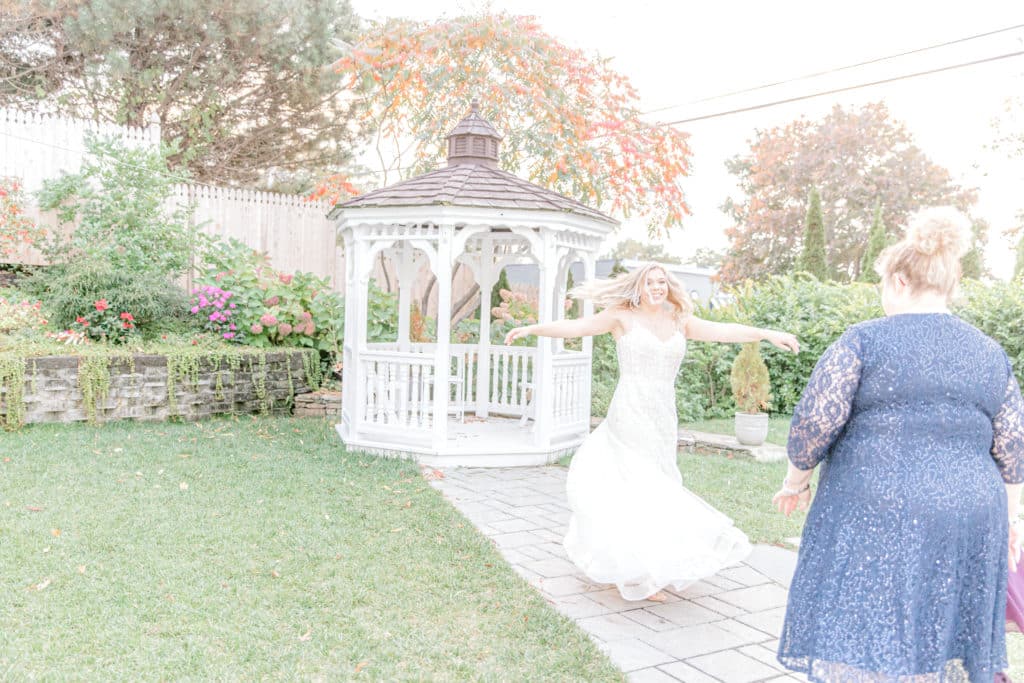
(571,123)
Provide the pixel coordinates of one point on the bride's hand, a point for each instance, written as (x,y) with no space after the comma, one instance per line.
(784,341)
(787,502)
(516,333)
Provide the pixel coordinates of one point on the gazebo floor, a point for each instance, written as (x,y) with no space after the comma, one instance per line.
(490,442)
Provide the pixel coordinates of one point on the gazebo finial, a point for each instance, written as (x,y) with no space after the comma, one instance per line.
(473,140)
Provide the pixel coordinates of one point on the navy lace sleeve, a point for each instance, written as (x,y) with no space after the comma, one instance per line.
(825,405)
(1008,433)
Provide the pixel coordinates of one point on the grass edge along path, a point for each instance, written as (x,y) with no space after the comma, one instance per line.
(254,549)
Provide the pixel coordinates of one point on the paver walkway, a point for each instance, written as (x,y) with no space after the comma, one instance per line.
(722,629)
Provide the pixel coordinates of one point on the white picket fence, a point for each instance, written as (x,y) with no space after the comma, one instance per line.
(295,233)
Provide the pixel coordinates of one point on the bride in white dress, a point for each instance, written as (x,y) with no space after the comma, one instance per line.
(633,522)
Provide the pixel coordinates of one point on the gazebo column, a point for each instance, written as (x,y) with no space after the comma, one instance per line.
(442,358)
(543,374)
(353,381)
(486,280)
(406,275)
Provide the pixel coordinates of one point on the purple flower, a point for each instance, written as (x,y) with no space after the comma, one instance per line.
(213,317)
(195,309)
(229,335)
(232,305)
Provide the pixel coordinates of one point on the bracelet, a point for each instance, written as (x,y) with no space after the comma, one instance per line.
(794,492)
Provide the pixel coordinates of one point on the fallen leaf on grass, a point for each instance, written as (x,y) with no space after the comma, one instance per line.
(307,635)
(430,474)
(55,532)
(408,504)
(360,666)
(184,455)
(395,531)
(39,586)
(7,459)
(183,486)
(33,508)
(276,574)
(81,569)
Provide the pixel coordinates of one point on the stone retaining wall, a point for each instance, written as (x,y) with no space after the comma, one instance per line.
(138,388)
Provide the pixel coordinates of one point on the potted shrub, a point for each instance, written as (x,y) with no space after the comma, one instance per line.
(751,390)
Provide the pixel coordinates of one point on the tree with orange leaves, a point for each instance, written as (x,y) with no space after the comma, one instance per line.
(571,123)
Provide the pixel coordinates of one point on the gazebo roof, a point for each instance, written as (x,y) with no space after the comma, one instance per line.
(473,185)
(473,179)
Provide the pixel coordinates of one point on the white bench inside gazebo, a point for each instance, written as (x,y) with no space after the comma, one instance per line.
(477,404)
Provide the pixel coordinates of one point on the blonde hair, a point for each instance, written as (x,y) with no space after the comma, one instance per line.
(928,256)
(626,289)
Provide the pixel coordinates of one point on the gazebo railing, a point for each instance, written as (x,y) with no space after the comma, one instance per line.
(398,389)
(571,412)
(511,379)
(399,386)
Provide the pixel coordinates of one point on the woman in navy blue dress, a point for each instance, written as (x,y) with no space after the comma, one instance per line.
(918,422)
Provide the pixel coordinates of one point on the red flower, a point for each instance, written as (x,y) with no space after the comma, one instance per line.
(127,325)
(101,305)
(82,321)
(127,316)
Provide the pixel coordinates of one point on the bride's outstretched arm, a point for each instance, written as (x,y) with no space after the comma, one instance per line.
(705,330)
(605,321)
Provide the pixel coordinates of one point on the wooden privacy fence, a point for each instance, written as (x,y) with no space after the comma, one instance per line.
(294,233)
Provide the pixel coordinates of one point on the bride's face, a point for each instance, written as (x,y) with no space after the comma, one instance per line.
(655,288)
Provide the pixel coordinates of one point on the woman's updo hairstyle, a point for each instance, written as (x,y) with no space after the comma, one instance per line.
(928,256)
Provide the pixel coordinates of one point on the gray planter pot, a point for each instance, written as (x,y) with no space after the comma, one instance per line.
(751,428)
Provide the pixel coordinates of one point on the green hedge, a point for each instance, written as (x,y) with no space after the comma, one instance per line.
(817,313)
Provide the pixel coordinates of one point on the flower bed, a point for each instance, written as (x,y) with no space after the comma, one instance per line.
(103,387)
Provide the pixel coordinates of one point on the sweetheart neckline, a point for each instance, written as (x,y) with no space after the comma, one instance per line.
(651,332)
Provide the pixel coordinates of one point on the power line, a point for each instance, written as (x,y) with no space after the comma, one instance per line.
(833,91)
(838,69)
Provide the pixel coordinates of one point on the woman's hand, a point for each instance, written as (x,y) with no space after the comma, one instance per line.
(517,333)
(787,501)
(783,340)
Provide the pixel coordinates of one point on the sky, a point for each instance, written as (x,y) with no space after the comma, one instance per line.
(676,52)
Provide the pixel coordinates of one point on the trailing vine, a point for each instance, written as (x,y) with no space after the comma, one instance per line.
(185,368)
(94,382)
(12,390)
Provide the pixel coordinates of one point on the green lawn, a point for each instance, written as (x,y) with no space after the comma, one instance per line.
(253,549)
(778,427)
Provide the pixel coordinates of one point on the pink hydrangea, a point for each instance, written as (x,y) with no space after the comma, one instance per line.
(284,329)
(273,301)
(268,320)
(286,278)
(256,328)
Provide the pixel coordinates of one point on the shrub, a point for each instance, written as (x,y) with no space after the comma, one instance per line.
(120,206)
(71,289)
(749,380)
(106,324)
(16,229)
(18,317)
(997,309)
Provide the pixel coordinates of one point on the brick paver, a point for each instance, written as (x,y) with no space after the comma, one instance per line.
(723,629)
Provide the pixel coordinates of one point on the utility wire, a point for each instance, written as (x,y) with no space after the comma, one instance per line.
(822,93)
(838,69)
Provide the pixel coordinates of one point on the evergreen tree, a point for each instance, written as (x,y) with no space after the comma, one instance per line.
(501,284)
(813,259)
(877,241)
(972,265)
(574,309)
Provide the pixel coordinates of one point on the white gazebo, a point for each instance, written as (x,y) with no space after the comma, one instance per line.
(465,404)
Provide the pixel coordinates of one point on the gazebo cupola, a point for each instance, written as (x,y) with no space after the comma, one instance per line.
(474,141)
(478,404)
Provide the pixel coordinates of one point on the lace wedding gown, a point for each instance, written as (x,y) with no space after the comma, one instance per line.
(633,523)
